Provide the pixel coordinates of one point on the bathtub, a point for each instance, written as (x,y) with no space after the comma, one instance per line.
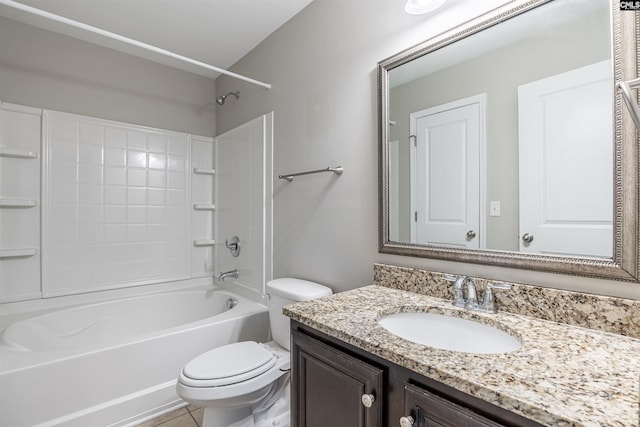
(114,362)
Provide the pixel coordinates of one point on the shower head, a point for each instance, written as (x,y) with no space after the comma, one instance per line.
(221,98)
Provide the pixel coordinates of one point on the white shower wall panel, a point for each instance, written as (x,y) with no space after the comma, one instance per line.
(116,205)
(244,192)
(202,183)
(20,147)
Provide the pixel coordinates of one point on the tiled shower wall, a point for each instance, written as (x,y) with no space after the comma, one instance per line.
(118,208)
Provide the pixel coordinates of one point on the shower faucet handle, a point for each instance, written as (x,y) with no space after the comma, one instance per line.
(233,246)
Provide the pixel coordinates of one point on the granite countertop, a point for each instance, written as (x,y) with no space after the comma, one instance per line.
(562,376)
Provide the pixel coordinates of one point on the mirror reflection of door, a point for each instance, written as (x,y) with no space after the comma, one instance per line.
(566,163)
(447,170)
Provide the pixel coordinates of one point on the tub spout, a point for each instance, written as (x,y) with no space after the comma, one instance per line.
(231,273)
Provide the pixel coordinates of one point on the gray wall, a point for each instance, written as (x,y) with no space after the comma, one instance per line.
(47,70)
(322,65)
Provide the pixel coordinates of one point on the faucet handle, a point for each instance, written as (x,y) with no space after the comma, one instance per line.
(449,277)
(488,304)
(499,285)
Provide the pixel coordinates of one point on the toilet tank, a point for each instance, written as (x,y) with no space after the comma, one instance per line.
(287,291)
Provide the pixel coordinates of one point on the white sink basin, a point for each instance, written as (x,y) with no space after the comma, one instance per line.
(449,333)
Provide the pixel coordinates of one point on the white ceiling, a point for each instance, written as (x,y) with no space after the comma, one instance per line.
(216,32)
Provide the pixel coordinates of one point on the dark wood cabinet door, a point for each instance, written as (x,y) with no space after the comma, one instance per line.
(429,410)
(328,385)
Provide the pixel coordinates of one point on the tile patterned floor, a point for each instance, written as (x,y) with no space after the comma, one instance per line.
(189,416)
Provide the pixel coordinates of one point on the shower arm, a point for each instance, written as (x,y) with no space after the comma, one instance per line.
(220,100)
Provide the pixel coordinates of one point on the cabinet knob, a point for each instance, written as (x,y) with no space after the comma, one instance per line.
(406,421)
(527,238)
(367,400)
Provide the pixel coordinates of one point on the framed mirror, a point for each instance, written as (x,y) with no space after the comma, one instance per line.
(503,142)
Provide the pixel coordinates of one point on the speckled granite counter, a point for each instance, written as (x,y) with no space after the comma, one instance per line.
(562,376)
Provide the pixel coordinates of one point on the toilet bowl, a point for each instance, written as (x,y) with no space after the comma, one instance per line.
(246,384)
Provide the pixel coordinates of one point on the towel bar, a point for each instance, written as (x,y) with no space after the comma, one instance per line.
(289,177)
(627,96)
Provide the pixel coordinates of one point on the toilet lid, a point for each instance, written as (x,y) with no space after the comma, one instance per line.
(230,364)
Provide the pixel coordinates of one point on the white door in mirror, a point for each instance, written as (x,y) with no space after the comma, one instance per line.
(446,171)
(566,164)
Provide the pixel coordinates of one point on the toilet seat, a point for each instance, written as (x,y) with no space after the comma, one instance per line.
(228,364)
(197,392)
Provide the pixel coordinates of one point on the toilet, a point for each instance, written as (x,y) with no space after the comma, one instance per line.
(246,384)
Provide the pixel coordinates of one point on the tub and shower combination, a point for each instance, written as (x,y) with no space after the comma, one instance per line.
(114,362)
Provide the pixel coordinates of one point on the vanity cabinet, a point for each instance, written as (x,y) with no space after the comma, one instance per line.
(424,408)
(337,384)
(332,388)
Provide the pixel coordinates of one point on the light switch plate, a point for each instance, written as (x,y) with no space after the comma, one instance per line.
(494,208)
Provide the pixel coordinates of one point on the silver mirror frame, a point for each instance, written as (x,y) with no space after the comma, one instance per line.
(625,263)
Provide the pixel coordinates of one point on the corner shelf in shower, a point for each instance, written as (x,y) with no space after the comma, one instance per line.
(18,203)
(17,154)
(204,242)
(17,253)
(204,171)
(204,206)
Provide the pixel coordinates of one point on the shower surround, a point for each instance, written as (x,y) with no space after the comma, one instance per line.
(106,260)
(121,204)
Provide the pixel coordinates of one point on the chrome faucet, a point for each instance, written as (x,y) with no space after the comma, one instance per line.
(231,273)
(470,301)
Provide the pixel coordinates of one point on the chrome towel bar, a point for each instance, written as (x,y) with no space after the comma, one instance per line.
(289,177)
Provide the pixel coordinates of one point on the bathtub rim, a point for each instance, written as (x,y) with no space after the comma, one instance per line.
(148,397)
(12,360)
(17,310)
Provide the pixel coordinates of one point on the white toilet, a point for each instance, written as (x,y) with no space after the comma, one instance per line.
(246,384)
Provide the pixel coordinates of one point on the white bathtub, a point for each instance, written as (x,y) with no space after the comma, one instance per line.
(114,362)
